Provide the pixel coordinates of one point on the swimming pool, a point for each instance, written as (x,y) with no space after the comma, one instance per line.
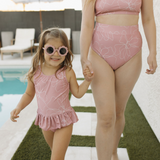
(12,86)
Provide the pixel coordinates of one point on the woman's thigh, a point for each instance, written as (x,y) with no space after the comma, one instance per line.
(125,78)
(103,87)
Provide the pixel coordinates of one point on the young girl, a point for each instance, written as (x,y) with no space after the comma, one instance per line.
(51,77)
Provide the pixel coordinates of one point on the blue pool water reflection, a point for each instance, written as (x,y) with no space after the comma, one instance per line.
(12,86)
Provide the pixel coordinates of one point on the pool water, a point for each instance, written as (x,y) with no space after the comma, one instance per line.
(12,86)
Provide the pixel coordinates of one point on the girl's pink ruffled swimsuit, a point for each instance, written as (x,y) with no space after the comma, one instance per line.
(54,109)
(116,44)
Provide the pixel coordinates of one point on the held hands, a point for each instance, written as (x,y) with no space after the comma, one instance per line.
(14,114)
(88,74)
(87,69)
(152,62)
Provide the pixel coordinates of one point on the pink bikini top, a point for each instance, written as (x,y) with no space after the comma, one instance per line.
(117,7)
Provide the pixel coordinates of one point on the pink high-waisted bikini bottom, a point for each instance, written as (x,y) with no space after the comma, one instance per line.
(116,44)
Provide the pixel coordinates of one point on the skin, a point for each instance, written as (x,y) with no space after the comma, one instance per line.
(111,89)
(58,141)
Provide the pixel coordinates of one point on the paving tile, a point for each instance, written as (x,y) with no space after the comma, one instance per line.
(94,153)
(122,154)
(9,60)
(86,124)
(78,71)
(10,143)
(80,81)
(77,66)
(15,132)
(90,153)
(8,103)
(93,123)
(83,126)
(78,153)
(26,118)
(86,100)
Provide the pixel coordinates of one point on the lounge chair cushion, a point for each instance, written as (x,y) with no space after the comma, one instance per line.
(15,48)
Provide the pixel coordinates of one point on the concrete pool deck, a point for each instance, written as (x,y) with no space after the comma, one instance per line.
(12,134)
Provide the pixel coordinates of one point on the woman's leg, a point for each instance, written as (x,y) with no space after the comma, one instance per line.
(103,88)
(60,142)
(48,135)
(126,76)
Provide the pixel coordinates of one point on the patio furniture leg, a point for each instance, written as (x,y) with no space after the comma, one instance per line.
(1,55)
(21,55)
(31,51)
(35,48)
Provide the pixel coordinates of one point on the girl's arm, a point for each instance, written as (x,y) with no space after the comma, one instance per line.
(24,101)
(77,90)
(150,33)
(87,27)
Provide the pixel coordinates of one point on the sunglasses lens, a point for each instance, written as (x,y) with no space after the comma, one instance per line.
(63,51)
(50,50)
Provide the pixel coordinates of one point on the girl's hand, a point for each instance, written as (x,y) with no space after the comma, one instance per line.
(14,114)
(87,64)
(87,73)
(152,62)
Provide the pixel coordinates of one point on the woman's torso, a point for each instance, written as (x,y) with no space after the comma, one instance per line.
(118,12)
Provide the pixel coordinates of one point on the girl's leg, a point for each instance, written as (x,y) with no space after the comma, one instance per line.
(103,88)
(48,135)
(60,142)
(126,77)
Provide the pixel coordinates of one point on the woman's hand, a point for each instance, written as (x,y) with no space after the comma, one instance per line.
(87,73)
(14,114)
(152,62)
(85,65)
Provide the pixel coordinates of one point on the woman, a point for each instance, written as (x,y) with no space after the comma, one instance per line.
(115,59)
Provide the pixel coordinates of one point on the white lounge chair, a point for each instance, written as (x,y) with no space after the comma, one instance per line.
(24,40)
(67,31)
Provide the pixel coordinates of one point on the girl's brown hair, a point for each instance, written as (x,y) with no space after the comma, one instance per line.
(38,59)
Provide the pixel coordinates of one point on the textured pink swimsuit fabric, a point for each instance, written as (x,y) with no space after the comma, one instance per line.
(117,7)
(54,109)
(116,44)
